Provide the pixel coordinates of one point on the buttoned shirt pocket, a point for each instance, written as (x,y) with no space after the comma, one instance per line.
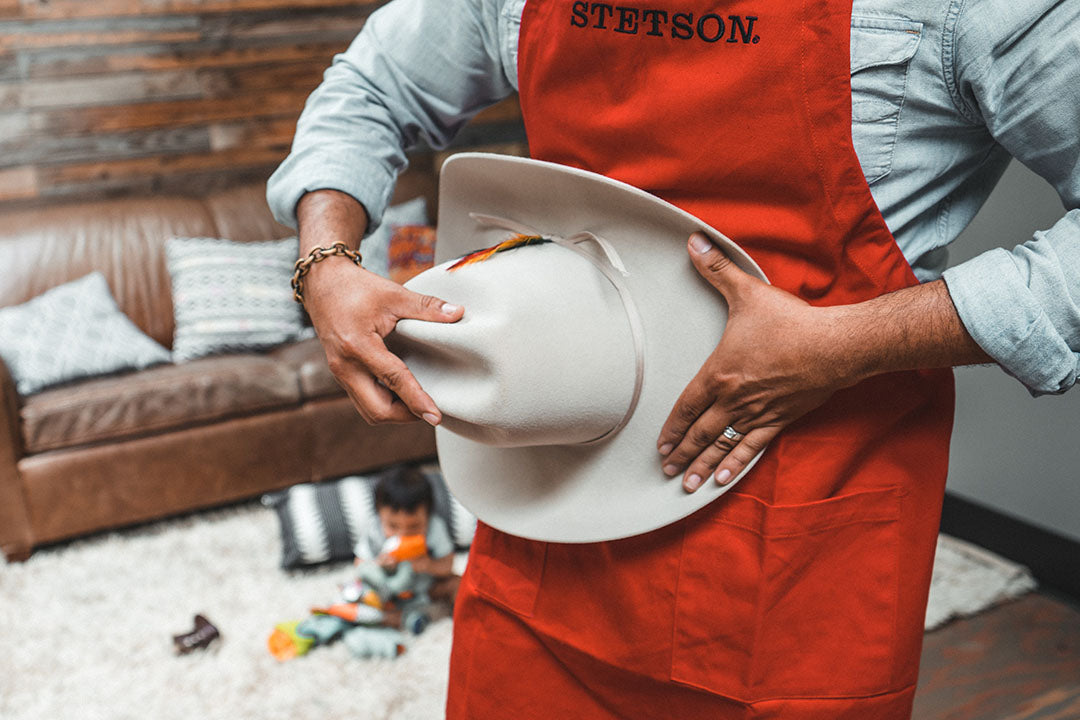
(760,583)
(881,50)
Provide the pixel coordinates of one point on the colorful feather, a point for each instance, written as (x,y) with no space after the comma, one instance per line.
(513,243)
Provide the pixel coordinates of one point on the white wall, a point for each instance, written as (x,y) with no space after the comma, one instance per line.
(1013,453)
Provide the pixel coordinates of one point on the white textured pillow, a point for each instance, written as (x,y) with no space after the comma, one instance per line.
(231,296)
(72,331)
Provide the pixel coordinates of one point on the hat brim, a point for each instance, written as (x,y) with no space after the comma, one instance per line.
(615,488)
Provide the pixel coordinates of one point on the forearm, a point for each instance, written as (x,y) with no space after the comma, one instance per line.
(910,329)
(328,216)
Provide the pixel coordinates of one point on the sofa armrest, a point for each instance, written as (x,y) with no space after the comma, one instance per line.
(15,535)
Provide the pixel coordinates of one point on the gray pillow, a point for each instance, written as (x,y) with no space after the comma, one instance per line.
(72,331)
(322,522)
(231,296)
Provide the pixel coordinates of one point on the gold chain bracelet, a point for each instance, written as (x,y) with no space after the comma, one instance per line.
(303,265)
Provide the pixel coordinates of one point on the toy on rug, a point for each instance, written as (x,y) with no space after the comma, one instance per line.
(387,600)
(200,638)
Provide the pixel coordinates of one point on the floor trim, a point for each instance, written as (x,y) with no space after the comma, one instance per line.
(1053,559)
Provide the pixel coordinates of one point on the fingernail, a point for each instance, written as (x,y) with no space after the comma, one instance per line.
(449,308)
(700,243)
(431,418)
(723,477)
(666,448)
(671,470)
(692,483)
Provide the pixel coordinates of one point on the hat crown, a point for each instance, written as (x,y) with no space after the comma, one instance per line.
(544,355)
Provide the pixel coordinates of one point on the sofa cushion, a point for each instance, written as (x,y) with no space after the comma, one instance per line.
(308,360)
(376,247)
(72,331)
(156,400)
(412,250)
(231,296)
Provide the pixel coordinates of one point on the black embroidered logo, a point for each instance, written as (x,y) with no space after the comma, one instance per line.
(709,27)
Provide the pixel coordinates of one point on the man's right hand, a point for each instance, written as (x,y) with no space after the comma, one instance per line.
(354,309)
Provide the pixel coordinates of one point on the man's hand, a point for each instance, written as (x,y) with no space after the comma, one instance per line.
(767,371)
(353,310)
(780,358)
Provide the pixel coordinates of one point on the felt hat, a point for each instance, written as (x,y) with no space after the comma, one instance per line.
(584,321)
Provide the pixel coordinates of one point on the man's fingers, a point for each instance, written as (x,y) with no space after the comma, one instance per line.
(715,266)
(374,402)
(687,409)
(427,307)
(697,438)
(743,453)
(717,448)
(396,377)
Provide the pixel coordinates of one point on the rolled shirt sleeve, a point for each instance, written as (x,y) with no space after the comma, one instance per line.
(419,69)
(1017,74)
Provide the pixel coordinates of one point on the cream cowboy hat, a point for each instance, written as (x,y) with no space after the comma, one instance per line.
(572,351)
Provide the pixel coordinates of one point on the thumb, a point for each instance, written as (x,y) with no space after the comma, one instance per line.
(429,307)
(715,266)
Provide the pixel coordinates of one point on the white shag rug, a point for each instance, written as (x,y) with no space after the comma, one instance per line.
(86,628)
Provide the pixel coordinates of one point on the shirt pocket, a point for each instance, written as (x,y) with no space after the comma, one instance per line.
(881,51)
(786,601)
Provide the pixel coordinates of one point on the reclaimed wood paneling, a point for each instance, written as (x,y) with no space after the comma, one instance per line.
(113,97)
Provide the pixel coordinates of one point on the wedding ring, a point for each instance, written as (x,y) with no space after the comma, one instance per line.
(732,434)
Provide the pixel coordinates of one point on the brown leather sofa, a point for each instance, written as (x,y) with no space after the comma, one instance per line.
(113,451)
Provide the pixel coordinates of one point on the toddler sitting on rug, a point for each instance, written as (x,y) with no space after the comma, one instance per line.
(403,563)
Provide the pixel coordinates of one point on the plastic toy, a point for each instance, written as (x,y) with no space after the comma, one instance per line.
(286,642)
(200,638)
(405,547)
(358,615)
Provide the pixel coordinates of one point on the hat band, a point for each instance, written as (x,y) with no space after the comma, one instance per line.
(614,270)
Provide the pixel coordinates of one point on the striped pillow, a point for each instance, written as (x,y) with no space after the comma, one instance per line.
(231,296)
(322,522)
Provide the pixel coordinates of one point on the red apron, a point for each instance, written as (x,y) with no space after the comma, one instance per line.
(801,593)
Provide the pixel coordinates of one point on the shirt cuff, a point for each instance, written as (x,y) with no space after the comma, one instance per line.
(368,181)
(1006,301)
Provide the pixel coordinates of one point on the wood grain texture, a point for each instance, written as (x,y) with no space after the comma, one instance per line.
(1019,661)
(114,97)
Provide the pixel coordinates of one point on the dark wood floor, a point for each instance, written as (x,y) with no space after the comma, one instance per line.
(1018,661)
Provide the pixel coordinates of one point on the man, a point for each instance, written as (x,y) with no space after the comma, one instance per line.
(800,596)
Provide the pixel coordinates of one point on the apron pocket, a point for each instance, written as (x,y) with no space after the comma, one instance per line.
(506,569)
(790,600)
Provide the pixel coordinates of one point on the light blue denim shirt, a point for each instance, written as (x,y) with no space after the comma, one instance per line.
(943,93)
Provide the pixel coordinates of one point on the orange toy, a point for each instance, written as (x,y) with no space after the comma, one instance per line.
(405,547)
(352,612)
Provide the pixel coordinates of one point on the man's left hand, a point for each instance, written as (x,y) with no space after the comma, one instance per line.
(776,361)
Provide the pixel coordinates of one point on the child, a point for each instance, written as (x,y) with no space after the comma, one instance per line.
(405,505)
(401,562)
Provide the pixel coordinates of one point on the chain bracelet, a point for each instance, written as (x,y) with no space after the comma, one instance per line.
(303,265)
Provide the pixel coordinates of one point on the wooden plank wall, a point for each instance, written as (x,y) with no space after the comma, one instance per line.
(118,97)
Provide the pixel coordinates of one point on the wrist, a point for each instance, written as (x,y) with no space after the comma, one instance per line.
(910,329)
(316,256)
(325,217)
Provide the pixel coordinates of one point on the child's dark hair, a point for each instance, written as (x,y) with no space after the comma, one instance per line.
(404,488)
